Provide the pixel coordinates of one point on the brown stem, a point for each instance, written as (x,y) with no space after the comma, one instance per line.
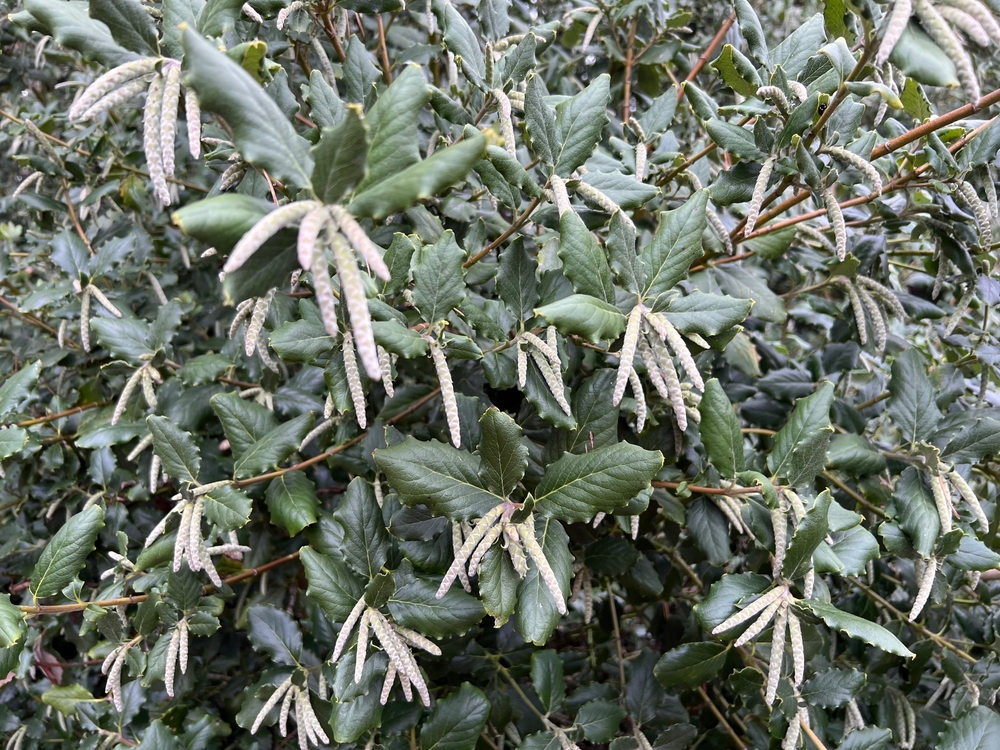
(386,69)
(60,415)
(28,318)
(708,52)
(629,59)
(517,224)
(935,124)
(722,719)
(73,217)
(618,638)
(699,490)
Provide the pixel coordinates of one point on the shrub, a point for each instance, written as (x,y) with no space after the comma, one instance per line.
(472,377)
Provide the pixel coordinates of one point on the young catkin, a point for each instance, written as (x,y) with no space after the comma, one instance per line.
(243,311)
(103,300)
(836,217)
(249,11)
(308,238)
(777,654)
(875,315)
(352,291)
(942,501)
(857,306)
(776,95)
(588,35)
(798,648)
(759,624)
(553,379)
(640,400)
(883,294)
(359,661)
(640,161)
(270,703)
(979,12)
(899,16)
(192,117)
(257,321)
(168,116)
(627,353)
(515,549)
(151,139)
(720,230)
(543,346)
(859,163)
(113,79)
(560,194)
(779,524)
(979,210)
(926,583)
(506,122)
(800,91)
(172,649)
(966,493)
(484,546)
(147,387)
(264,229)
(676,343)
(354,384)
(385,365)
(939,30)
(757,606)
(356,235)
(757,197)
(448,397)
(522,367)
(325,298)
(127,391)
(120,95)
(345,631)
(285,12)
(965,23)
(537,555)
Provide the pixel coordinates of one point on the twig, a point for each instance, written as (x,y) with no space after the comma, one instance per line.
(811,734)
(627,86)
(856,496)
(386,69)
(722,719)
(74,218)
(60,415)
(708,52)
(699,490)
(518,223)
(618,637)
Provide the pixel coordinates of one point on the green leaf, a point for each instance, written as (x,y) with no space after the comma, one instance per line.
(423,180)
(292,502)
(707,314)
(974,730)
(461,40)
(972,554)
(340,157)
(675,245)
(737,71)
(228,507)
(547,679)
(576,487)
(540,121)
(70,25)
(599,719)
(720,430)
(584,262)
(12,440)
(916,511)
(799,451)
(221,221)
(65,698)
(580,314)
(203,369)
(517,285)
(274,632)
(331,584)
(129,23)
(580,120)
(724,595)
(623,189)
(125,338)
(18,387)
(176,449)
(918,57)
(498,583)
(689,665)
(260,131)
(709,529)
(392,127)
(741,283)
(973,443)
(752,32)
(610,556)
(854,454)
(66,552)
(302,340)
(415,605)
(397,339)
(735,140)
(259,443)
(366,542)
(504,458)
(797,48)
(11,622)
(438,278)
(661,112)
(444,478)
(217,17)
(812,530)
(537,615)
(912,404)
(456,721)
(856,627)
(833,687)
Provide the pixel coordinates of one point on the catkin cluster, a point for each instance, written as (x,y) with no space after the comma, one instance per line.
(321,228)
(650,334)
(518,539)
(545,355)
(160,78)
(86,293)
(289,694)
(868,296)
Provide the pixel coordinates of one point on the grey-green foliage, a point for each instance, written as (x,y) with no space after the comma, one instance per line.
(509,422)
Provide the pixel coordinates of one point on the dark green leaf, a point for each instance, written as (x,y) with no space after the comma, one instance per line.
(547,679)
(856,627)
(292,502)
(366,541)
(720,430)
(340,157)
(129,23)
(331,584)
(438,278)
(675,245)
(579,123)
(66,552)
(689,665)
(456,721)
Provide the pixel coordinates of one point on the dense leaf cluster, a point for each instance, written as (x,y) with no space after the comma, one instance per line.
(481,375)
